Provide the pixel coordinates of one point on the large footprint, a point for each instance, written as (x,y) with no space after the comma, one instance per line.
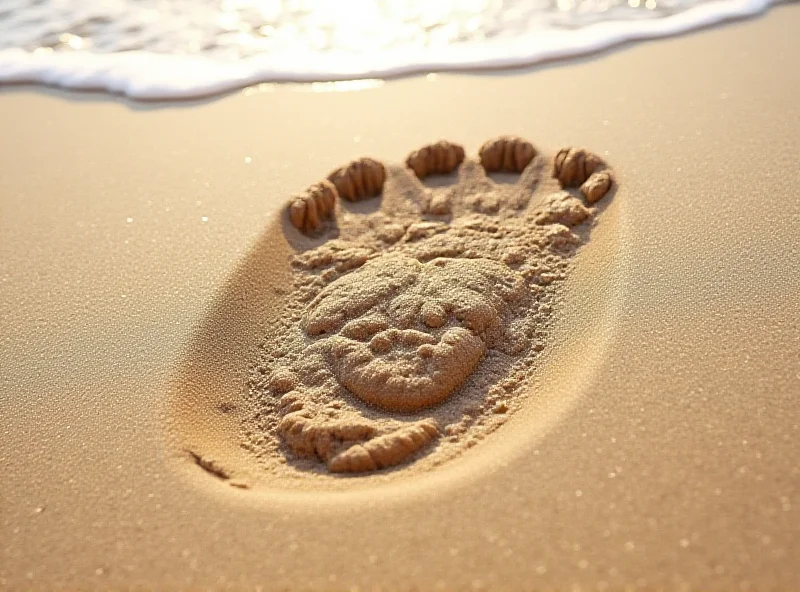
(417,323)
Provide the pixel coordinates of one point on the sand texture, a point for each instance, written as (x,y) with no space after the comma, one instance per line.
(150,253)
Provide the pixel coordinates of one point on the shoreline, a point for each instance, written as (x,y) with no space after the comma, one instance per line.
(148,76)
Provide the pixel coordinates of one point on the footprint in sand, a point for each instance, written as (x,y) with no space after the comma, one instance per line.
(418,308)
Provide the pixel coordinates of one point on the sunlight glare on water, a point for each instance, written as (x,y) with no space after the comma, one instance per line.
(230,29)
(160,48)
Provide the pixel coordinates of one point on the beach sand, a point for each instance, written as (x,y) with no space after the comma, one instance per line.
(658,448)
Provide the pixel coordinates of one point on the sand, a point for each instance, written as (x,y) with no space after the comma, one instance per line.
(656,450)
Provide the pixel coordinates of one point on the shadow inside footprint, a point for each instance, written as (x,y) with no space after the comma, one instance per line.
(361,208)
(441,181)
(504,178)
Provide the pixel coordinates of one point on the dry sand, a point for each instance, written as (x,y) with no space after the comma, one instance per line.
(658,447)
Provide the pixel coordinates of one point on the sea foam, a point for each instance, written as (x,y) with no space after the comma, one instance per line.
(199,49)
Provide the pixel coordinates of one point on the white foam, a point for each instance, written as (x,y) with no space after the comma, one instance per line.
(151,75)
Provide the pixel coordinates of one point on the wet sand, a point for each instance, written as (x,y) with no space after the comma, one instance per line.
(658,449)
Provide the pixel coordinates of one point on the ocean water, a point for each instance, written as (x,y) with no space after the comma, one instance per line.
(158,49)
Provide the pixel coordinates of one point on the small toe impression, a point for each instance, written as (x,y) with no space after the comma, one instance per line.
(596,186)
(308,210)
(506,154)
(572,166)
(359,179)
(440,158)
(576,167)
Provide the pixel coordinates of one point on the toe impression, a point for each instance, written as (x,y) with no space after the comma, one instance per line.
(360,179)
(508,154)
(596,186)
(309,209)
(439,158)
(576,167)
(572,166)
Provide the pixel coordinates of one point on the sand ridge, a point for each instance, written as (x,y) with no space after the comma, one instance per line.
(411,331)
